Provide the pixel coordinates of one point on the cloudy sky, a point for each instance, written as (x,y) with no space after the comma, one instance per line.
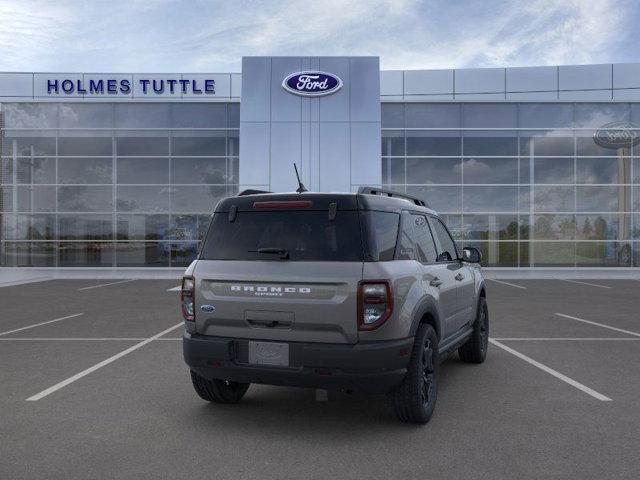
(212,36)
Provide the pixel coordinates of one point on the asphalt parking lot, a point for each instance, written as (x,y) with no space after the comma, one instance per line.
(93,385)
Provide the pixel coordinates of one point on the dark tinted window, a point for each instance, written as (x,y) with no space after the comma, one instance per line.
(406,240)
(445,244)
(424,240)
(382,228)
(306,235)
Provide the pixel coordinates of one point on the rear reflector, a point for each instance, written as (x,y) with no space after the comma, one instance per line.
(284,204)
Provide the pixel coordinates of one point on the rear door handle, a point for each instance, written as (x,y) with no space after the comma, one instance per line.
(436,282)
(459,277)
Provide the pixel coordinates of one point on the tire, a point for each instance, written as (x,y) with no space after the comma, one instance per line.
(475,349)
(415,399)
(218,391)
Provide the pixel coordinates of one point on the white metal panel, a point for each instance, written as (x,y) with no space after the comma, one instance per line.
(365,154)
(480,97)
(532,96)
(285,150)
(585,77)
(585,95)
(254,151)
(391,82)
(285,106)
(236,85)
(256,89)
(16,84)
(532,79)
(335,107)
(627,94)
(334,155)
(479,80)
(364,94)
(428,82)
(626,75)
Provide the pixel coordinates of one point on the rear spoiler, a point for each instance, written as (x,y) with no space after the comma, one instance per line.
(391,193)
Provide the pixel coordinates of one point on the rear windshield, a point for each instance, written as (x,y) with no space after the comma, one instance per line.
(304,235)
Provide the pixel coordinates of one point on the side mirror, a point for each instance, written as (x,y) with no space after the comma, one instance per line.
(471,255)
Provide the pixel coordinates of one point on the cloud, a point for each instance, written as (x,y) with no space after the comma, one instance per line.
(167,36)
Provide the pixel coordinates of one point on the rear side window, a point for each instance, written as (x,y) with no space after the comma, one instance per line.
(381,230)
(424,240)
(445,245)
(305,235)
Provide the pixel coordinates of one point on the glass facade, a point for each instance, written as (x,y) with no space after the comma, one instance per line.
(524,182)
(112,184)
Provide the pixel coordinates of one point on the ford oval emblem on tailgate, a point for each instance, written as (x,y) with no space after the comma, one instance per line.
(207,308)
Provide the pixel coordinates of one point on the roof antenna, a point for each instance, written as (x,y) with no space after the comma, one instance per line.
(301,188)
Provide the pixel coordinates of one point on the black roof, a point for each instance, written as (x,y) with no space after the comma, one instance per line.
(321,201)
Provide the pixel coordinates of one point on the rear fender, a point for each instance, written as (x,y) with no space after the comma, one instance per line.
(427,307)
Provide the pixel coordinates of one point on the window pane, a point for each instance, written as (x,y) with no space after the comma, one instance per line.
(392,143)
(490,227)
(497,254)
(490,170)
(184,227)
(554,199)
(35,169)
(41,254)
(85,170)
(233,143)
(183,253)
(6,170)
(603,254)
(432,115)
(6,199)
(85,227)
(382,228)
(490,199)
(393,170)
(546,144)
(487,115)
(143,170)
(406,239)
(140,115)
(143,199)
(432,143)
(600,199)
(392,115)
(200,170)
(602,170)
(212,144)
(553,254)
(199,115)
(85,199)
(233,112)
(598,114)
(604,227)
(142,146)
(34,227)
(86,115)
(37,199)
(142,227)
(29,146)
(142,254)
(545,115)
(441,199)
(490,145)
(78,254)
(434,170)
(553,170)
(30,115)
(91,146)
(554,227)
(196,199)
(585,145)
(424,239)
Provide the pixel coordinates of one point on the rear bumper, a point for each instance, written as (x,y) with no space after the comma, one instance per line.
(374,367)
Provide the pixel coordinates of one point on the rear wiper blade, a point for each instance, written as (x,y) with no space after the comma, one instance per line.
(283,252)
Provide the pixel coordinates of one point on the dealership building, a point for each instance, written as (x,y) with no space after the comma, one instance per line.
(535,166)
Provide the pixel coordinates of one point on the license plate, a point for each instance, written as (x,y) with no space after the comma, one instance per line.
(269,353)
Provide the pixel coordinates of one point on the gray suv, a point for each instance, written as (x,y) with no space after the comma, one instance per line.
(363,291)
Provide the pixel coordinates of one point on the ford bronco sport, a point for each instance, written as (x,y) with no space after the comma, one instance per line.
(363,291)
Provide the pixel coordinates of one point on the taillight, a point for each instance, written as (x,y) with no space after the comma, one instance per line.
(375,303)
(187,294)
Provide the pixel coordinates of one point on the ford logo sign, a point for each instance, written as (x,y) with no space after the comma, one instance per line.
(312,84)
(617,135)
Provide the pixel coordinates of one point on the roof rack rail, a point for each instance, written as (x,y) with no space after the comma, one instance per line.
(251,191)
(391,193)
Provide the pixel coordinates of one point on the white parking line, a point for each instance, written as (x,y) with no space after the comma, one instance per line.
(41,323)
(584,283)
(629,332)
(107,284)
(551,371)
(551,339)
(507,283)
(175,289)
(97,366)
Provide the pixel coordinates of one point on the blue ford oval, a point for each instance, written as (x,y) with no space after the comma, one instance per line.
(312,83)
